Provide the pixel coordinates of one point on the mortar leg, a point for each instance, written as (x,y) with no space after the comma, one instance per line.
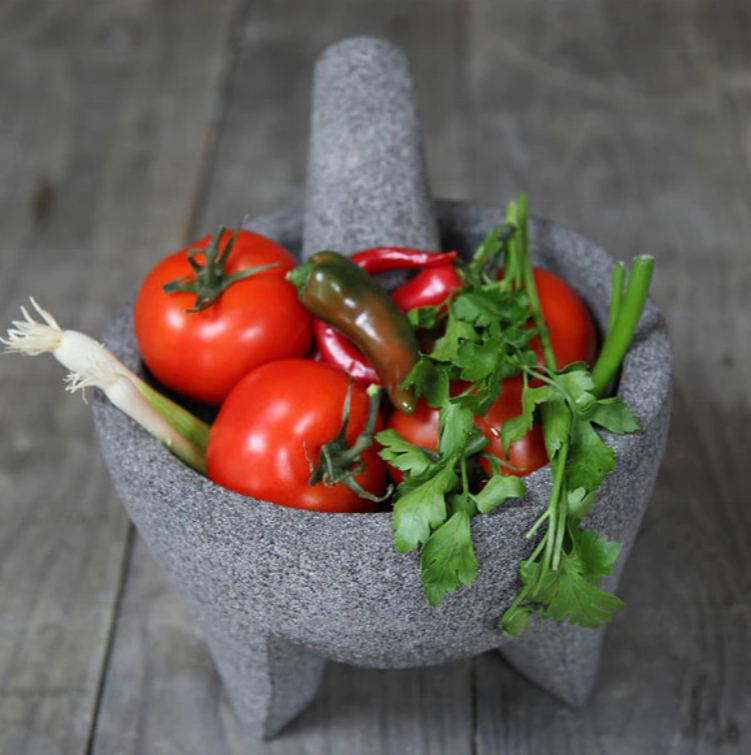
(268,681)
(562,659)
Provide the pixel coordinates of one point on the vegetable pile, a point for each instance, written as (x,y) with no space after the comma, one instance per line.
(433,400)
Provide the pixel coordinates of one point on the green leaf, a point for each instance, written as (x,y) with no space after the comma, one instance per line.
(515,621)
(460,502)
(596,555)
(484,307)
(516,428)
(423,318)
(589,459)
(478,360)
(402,454)
(446,347)
(556,425)
(498,489)
(448,558)
(490,245)
(422,509)
(580,502)
(430,381)
(454,426)
(613,415)
(577,382)
(569,595)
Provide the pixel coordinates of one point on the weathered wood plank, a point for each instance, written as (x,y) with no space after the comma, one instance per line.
(105,112)
(627,121)
(618,119)
(161,692)
(262,152)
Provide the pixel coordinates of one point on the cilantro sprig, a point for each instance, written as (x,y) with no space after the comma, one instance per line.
(477,340)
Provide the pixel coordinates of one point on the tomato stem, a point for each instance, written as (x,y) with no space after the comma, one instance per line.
(365,439)
(618,340)
(339,462)
(210,280)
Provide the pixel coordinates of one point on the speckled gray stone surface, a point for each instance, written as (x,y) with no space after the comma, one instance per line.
(277,591)
(367,183)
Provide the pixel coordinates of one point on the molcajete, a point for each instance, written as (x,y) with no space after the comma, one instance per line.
(278,591)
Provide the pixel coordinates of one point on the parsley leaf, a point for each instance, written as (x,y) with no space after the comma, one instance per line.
(430,381)
(589,458)
(457,332)
(422,509)
(454,427)
(597,555)
(471,344)
(497,490)
(612,414)
(580,502)
(402,454)
(556,425)
(448,558)
(568,594)
(516,428)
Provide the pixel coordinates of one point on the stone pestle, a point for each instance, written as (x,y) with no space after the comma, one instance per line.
(367,184)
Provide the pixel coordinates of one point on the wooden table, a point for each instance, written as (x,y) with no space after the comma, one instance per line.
(128,128)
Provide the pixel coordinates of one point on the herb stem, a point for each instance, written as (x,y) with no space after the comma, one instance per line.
(521,219)
(465,479)
(561,497)
(616,295)
(536,552)
(475,445)
(617,342)
(547,560)
(536,526)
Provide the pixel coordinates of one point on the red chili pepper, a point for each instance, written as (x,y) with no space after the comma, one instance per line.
(383,259)
(428,288)
(337,349)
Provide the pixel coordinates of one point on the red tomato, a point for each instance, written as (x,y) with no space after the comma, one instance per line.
(276,418)
(258,319)
(572,332)
(527,454)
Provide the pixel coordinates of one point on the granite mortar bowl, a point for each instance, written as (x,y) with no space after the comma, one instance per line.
(277,591)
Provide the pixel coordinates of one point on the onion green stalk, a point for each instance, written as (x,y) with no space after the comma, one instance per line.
(91,365)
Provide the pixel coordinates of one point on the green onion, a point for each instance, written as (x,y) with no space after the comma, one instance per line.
(91,365)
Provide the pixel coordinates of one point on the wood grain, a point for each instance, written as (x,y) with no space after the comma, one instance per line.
(262,151)
(163,694)
(128,127)
(151,704)
(616,119)
(105,110)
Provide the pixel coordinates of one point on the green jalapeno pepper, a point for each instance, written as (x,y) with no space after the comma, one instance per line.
(336,290)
